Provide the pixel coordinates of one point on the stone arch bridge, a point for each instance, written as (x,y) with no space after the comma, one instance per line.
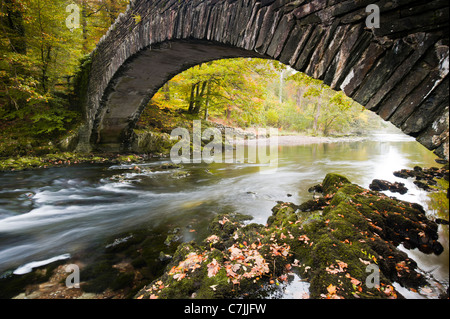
(399,70)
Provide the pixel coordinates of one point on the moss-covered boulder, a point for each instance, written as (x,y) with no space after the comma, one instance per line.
(333,182)
(64,159)
(344,244)
(146,141)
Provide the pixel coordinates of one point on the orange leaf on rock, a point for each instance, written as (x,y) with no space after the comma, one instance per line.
(355,281)
(331,289)
(213,268)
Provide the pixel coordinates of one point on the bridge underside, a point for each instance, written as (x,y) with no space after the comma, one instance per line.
(400,70)
(141,77)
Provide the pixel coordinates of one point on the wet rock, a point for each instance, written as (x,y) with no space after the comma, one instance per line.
(145,141)
(180,174)
(441,221)
(313,204)
(164,257)
(170,165)
(425,178)
(402,174)
(316,189)
(382,185)
(333,182)
(173,237)
(422,185)
(282,211)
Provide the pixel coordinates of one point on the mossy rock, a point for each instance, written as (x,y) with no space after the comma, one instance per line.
(282,213)
(333,182)
(179,174)
(146,141)
(224,225)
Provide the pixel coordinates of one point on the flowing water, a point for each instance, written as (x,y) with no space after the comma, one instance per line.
(50,213)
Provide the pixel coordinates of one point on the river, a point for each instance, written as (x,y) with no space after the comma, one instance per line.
(53,212)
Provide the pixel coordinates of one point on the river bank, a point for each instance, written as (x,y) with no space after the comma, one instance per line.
(146,144)
(292,140)
(62,159)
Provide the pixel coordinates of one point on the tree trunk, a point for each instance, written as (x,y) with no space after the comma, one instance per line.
(299,98)
(192,98)
(84,26)
(112,11)
(281,85)
(166,90)
(199,97)
(316,117)
(326,129)
(208,91)
(228,112)
(14,22)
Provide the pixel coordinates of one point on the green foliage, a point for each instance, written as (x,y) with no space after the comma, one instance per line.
(258,92)
(52,118)
(81,80)
(272,117)
(38,57)
(226,87)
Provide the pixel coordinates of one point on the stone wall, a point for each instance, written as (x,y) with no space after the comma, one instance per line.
(399,70)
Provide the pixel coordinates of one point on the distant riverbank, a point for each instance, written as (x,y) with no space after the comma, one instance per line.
(293,140)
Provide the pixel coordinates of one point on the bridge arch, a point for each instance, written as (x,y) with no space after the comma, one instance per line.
(399,70)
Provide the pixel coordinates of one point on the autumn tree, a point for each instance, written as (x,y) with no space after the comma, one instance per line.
(40,54)
(258,92)
(221,88)
(96,16)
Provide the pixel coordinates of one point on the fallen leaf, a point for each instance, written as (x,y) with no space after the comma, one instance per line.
(213,239)
(355,281)
(223,221)
(342,265)
(331,289)
(213,267)
(178,277)
(364,261)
